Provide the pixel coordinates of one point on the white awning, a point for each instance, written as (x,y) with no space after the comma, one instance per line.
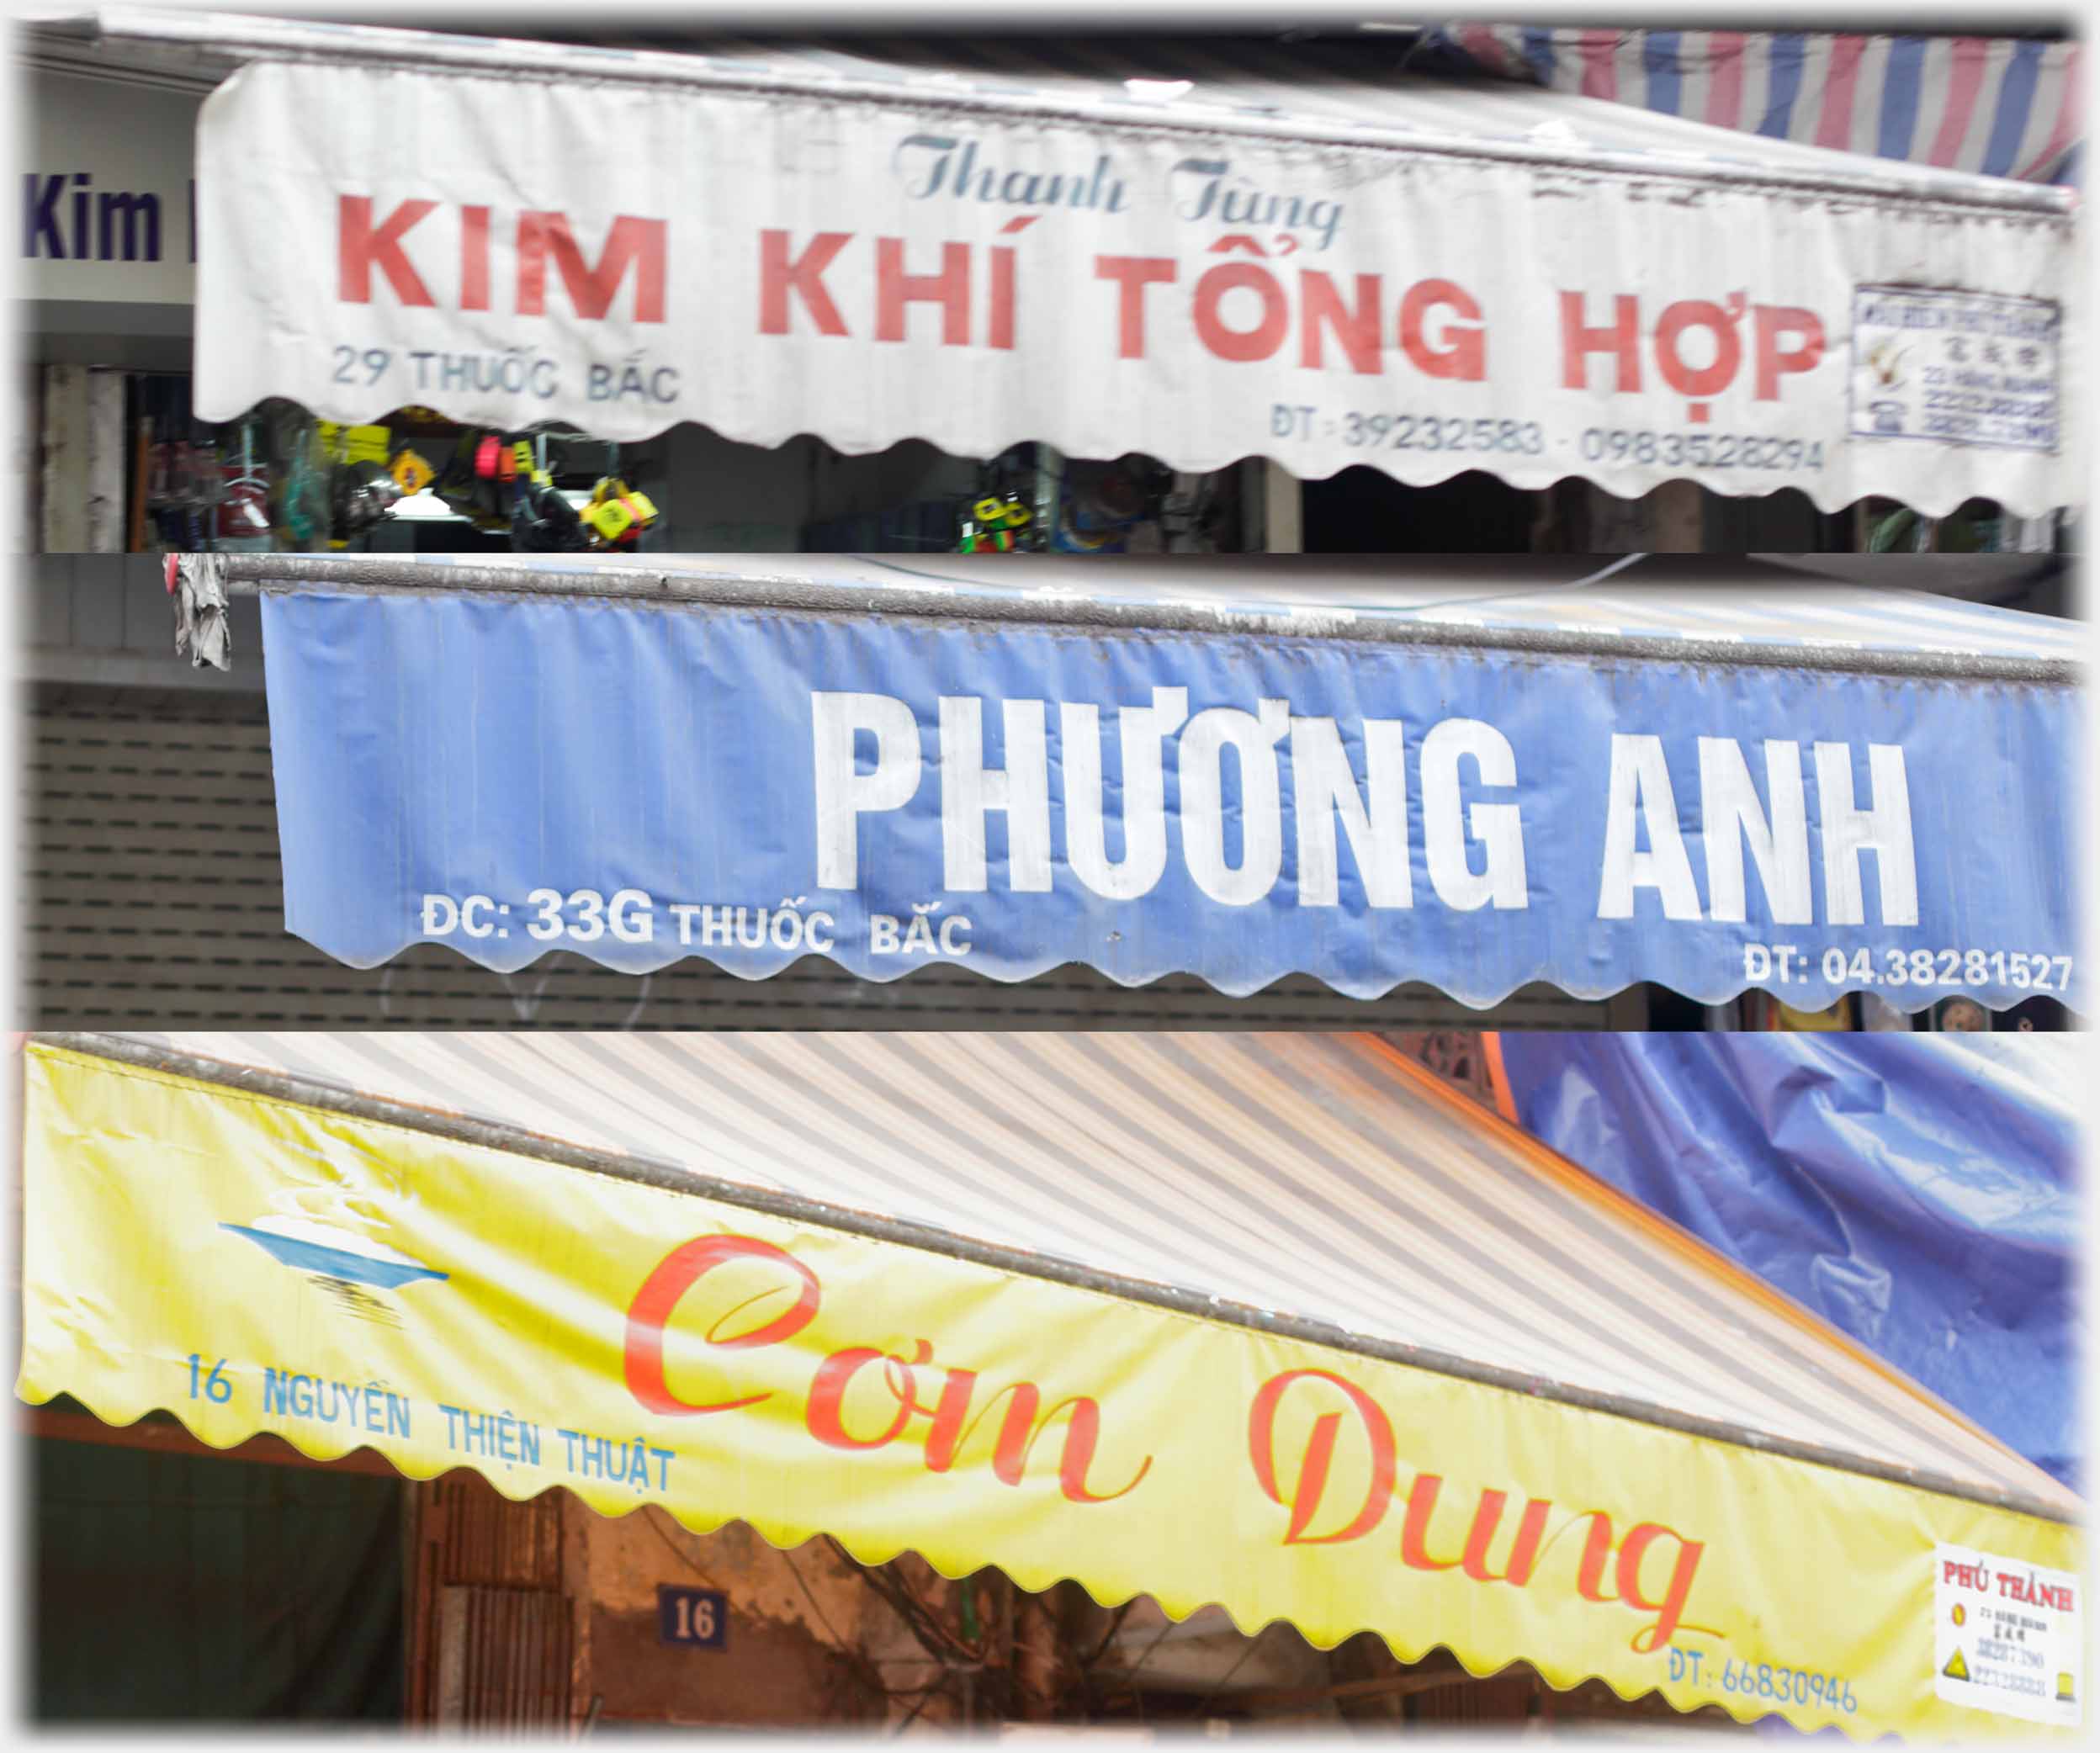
(1418,275)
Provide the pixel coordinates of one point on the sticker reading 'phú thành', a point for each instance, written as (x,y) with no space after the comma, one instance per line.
(1960,367)
(2006,1636)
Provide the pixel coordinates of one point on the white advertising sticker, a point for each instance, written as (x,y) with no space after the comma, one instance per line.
(1955,368)
(2008,1637)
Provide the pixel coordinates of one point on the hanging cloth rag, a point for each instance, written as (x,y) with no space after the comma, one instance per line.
(197,582)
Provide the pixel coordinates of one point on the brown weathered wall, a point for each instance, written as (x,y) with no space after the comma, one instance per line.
(792,1656)
(810,1642)
(812,1645)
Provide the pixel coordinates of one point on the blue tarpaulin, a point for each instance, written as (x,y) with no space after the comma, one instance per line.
(641,784)
(1918,1192)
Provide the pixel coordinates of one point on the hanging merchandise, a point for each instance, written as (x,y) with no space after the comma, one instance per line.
(242,524)
(504,484)
(1960,1016)
(155,394)
(454,483)
(467,483)
(997,524)
(1100,505)
(545,522)
(357,444)
(1029,498)
(411,472)
(182,477)
(206,479)
(1192,514)
(542,519)
(617,514)
(1772,1015)
(302,507)
(361,494)
(1000,519)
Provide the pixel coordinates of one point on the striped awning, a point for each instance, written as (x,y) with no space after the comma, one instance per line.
(1998,106)
(1200,1242)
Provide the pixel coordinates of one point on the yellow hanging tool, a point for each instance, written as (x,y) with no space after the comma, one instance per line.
(617,514)
(411,472)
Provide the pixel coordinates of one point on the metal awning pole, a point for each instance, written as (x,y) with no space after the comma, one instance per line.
(516,1141)
(251,574)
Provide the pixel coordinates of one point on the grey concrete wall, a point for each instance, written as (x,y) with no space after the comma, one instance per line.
(105,620)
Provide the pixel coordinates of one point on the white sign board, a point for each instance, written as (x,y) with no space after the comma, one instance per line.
(106,193)
(2008,1637)
(515,251)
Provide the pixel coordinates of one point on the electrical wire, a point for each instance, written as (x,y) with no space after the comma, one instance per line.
(1578,584)
(1131,1672)
(1082,1669)
(925,1697)
(1225,1679)
(823,1618)
(1582,583)
(794,1570)
(918,1618)
(1129,1675)
(1108,1637)
(679,1552)
(1414,48)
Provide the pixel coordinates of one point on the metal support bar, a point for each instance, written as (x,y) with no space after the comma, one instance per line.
(515,1140)
(248,574)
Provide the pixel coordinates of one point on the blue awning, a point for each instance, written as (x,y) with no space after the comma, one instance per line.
(1811,792)
(1918,1192)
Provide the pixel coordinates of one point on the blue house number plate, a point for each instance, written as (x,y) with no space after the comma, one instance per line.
(697,1616)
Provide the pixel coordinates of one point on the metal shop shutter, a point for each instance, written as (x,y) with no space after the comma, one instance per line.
(149,843)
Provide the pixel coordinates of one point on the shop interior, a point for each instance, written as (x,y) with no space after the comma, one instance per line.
(281,480)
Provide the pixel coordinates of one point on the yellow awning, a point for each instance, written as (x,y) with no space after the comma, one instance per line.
(1279,1322)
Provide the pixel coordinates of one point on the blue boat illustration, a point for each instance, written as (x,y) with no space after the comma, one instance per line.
(306,1246)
